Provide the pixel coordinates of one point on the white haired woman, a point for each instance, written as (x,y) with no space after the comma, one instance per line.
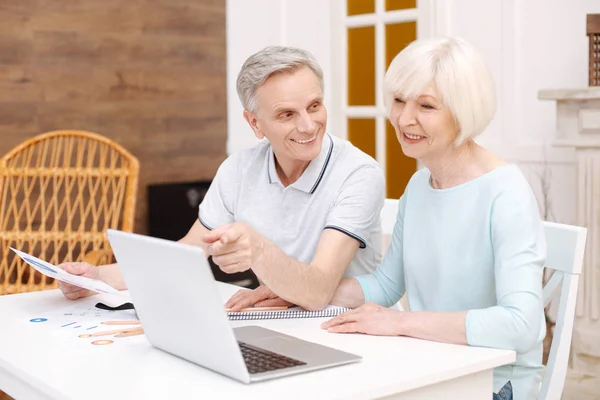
(468,246)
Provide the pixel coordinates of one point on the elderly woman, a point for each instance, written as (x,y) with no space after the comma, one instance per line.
(468,246)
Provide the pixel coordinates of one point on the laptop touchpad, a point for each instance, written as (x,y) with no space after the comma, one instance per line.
(277,344)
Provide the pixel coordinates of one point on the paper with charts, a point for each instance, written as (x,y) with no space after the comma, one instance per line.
(83,324)
(59,274)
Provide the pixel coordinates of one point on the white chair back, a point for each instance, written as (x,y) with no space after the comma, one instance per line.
(388,220)
(566,246)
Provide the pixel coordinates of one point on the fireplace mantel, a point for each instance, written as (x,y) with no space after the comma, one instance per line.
(590,93)
(578,127)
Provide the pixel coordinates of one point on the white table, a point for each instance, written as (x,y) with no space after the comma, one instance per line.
(37,364)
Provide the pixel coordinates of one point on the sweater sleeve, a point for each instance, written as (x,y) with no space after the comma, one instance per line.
(519,247)
(386,285)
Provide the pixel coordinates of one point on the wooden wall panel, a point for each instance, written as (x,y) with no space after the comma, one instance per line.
(149,74)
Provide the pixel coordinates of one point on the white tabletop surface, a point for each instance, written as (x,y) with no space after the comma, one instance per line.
(34,358)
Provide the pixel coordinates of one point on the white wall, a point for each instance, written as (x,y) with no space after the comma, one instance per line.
(529,45)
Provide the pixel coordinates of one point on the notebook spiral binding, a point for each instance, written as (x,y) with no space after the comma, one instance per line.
(255,315)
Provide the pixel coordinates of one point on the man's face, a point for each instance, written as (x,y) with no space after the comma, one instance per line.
(291,115)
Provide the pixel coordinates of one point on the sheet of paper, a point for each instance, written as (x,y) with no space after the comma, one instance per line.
(60,274)
(81,317)
(80,328)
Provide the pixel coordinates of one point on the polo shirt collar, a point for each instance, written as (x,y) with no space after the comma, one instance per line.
(312,175)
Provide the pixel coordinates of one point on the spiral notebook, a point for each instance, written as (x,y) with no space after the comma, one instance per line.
(295,312)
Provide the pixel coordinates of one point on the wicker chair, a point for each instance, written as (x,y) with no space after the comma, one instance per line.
(59,192)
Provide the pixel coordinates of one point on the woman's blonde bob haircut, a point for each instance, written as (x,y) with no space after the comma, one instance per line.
(457,72)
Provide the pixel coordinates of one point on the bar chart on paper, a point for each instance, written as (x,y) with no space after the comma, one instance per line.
(84,321)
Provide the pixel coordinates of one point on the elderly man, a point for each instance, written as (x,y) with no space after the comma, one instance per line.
(301,208)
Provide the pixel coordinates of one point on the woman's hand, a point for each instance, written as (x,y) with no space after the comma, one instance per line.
(370,319)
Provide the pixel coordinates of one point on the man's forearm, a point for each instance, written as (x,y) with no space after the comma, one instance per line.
(302,284)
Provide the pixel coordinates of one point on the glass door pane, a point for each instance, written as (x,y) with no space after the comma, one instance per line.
(361,133)
(399,168)
(361,66)
(391,5)
(356,7)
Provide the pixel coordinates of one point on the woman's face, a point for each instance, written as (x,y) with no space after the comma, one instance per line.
(424,126)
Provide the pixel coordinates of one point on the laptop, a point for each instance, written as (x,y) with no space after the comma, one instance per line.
(181,310)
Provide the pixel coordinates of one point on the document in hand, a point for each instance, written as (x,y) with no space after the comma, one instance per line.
(60,274)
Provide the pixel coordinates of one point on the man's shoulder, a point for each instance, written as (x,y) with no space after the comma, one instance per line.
(243,160)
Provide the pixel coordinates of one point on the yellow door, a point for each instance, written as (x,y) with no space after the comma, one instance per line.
(376,30)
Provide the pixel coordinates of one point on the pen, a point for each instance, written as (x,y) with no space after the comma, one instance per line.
(281,308)
(132,332)
(117,331)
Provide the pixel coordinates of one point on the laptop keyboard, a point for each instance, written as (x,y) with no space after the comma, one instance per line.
(259,360)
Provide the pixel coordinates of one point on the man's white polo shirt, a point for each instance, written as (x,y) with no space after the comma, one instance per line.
(342,189)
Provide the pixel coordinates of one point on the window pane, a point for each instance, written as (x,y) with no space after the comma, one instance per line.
(399,168)
(397,37)
(356,7)
(361,133)
(400,4)
(361,66)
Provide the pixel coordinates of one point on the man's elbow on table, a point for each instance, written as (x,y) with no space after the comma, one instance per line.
(315,301)
(314,305)
(318,298)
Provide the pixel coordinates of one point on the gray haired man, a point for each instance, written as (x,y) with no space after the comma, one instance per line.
(301,208)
